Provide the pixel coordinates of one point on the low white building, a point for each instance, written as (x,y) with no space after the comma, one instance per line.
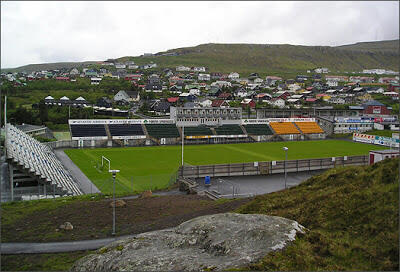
(278,103)
(233,76)
(204,77)
(182,68)
(95,80)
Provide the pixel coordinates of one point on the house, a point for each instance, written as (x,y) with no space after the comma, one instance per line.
(120,66)
(393,95)
(280,103)
(134,96)
(216,76)
(194,91)
(394,88)
(104,102)
(271,80)
(301,78)
(321,70)
(204,102)
(172,100)
(220,103)
(156,87)
(233,76)
(161,107)
(258,80)
(187,96)
(263,97)
(215,91)
(337,101)
(121,96)
(133,77)
(60,78)
(240,92)
(199,69)
(74,72)
(221,83)
(91,73)
(247,102)
(204,77)
(281,94)
(375,108)
(337,78)
(225,96)
(359,79)
(95,81)
(182,68)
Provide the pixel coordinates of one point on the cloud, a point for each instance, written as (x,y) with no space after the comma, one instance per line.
(37,32)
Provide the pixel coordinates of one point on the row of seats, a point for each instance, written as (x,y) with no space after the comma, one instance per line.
(309,127)
(162,130)
(229,130)
(88,130)
(125,129)
(171,131)
(258,129)
(197,131)
(284,128)
(39,160)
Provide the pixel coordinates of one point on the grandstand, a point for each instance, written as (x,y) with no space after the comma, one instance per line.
(37,164)
(258,129)
(309,127)
(283,128)
(162,130)
(89,130)
(229,130)
(198,131)
(126,129)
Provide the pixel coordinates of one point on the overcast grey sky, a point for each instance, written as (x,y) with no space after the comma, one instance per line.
(39,32)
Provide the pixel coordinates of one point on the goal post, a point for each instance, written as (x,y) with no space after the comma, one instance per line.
(105,159)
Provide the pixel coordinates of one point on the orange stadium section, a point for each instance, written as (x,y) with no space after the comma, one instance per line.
(309,127)
(284,128)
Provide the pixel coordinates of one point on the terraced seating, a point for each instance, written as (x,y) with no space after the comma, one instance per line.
(229,130)
(125,129)
(309,127)
(258,129)
(162,130)
(88,131)
(197,131)
(39,160)
(284,128)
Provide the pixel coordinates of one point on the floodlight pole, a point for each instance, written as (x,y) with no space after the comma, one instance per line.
(114,174)
(183,140)
(285,149)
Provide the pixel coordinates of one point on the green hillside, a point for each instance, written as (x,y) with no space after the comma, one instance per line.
(352,217)
(49,66)
(271,58)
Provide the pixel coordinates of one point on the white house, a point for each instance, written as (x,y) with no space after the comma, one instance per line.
(258,80)
(233,76)
(194,91)
(120,66)
(241,93)
(221,83)
(278,103)
(205,103)
(321,70)
(331,83)
(95,80)
(337,100)
(205,77)
(199,69)
(182,68)
(74,71)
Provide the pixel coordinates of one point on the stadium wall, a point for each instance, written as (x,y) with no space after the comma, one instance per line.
(272,167)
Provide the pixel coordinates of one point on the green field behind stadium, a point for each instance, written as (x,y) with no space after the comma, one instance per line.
(144,168)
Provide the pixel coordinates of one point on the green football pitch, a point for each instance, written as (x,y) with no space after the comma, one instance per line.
(144,168)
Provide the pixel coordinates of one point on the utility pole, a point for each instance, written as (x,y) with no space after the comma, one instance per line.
(183,139)
(114,174)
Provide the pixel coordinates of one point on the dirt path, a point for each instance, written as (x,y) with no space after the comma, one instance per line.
(93,219)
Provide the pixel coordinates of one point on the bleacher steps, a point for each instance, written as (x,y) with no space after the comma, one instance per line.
(243,129)
(108,132)
(301,132)
(145,130)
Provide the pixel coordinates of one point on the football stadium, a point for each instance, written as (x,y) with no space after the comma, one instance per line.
(154,154)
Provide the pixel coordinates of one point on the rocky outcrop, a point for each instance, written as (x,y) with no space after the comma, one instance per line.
(212,242)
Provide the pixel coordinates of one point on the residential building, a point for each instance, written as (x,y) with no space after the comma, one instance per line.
(182,68)
(233,76)
(204,77)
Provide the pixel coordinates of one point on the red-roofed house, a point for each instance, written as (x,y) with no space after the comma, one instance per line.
(225,96)
(172,99)
(248,102)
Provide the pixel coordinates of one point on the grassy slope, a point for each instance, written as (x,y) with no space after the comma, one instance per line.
(386,133)
(351,215)
(272,59)
(152,167)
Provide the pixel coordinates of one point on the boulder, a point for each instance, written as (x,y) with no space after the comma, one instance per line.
(146,194)
(211,242)
(118,203)
(67,226)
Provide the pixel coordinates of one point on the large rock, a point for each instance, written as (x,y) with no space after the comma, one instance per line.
(212,242)
(67,226)
(118,203)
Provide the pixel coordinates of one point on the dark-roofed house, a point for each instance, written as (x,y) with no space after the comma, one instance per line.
(104,102)
(220,103)
(225,96)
